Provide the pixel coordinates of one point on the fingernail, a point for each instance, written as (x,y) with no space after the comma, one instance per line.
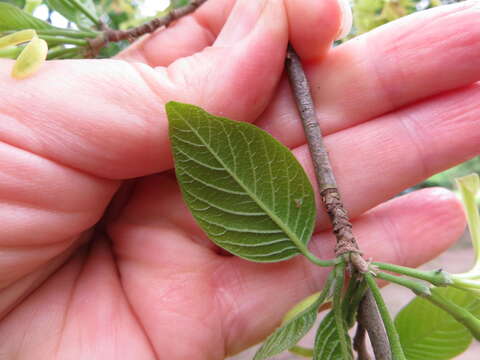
(347,19)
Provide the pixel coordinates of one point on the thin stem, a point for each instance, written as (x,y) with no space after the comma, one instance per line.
(55,40)
(68,33)
(338,311)
(62,53)
(324,263)
(359,343)
(434,277)
(370,319)
(327,185)
(393,338)
(460,314)
(301,351)
(417,287)
(11,52)
(85,11)
(110,35)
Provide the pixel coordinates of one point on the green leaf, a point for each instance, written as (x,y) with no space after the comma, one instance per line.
(13,18)
(179,3)
(427,332)
(290,334)
(327,340)
(245,189)
(72,13)
(296,323)
(469,187)
(18,3)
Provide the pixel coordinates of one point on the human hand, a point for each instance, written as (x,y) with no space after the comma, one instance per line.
(146,283)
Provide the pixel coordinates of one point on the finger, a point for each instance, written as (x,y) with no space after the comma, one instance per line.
(315,25)
(107,117)
(193,33)
(377,160)
(393,66)
(44,207)
(381,158)
(81,301)
(409,230)
(185,37)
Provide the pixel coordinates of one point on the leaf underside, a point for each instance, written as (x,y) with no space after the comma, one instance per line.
(327,340)
(245,189)
(427,332)
(290,334)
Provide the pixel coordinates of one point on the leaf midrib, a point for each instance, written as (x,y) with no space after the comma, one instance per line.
(260,203)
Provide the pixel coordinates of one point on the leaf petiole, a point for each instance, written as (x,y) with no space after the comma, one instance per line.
(324,263)
(417,287)
(434,277)
(302,351)
(56,40)
(345,346)
(392,334)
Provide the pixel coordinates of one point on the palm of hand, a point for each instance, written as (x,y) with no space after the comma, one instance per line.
(146,282)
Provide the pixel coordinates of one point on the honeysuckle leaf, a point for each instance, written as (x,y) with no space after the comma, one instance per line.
(327,340)
(30,59)
(289,334)
(12,19)
(428,332)
(296,323)
(245,189)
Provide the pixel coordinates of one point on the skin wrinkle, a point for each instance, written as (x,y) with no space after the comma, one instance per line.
(391,229)
(407,120)
(17,264)
(387,94)
(127,299)
(225,295)
(48,270)
(55,162)
(84,257)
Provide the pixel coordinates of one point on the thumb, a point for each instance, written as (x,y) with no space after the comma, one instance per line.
(237,75)
(106,117)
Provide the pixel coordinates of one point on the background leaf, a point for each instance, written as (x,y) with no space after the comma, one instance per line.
(71,13)
(17,3)
(13,18)
(427,332)
(245,189)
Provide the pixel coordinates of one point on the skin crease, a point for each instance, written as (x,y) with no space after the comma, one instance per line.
(145,283)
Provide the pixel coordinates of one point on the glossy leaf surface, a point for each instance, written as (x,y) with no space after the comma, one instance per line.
(245,189)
